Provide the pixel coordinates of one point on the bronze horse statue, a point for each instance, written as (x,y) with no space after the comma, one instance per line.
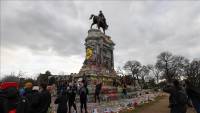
(99,21)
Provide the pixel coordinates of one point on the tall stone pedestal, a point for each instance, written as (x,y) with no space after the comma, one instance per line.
(99,59)
(99,62)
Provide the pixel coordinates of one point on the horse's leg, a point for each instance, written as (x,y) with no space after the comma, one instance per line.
(91,25)
(98,25)
(103,30)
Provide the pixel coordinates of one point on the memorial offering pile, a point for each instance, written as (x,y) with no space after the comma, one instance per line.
(122,105)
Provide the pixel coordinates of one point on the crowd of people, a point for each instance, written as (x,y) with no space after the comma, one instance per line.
(24,100)
(31,99)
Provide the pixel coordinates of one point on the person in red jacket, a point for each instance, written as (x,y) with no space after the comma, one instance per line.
(9,90)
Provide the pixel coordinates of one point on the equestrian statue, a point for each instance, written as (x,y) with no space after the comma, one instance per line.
(100,20)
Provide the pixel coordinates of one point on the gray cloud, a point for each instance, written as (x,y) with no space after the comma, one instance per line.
(42,26)
(140,29)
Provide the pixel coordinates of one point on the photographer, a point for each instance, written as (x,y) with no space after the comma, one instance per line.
(178,98)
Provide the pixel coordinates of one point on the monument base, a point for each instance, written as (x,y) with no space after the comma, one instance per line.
(99,67)
(108,91)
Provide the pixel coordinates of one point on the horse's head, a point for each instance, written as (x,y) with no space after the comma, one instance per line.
(91,16)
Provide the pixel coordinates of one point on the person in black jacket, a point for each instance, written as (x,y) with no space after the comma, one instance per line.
(44,99)
(35,101)
(178,98)
(83,91)
(32,97)
(72,96)
(61,100)
(97,91)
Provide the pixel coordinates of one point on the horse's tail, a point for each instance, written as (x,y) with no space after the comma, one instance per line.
(91,16)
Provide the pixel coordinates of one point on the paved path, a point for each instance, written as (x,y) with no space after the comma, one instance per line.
(160,107)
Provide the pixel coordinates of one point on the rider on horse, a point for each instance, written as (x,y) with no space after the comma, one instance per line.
(101,15)
(100,20)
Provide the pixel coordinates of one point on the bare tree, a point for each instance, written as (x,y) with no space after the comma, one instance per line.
(43,78)
(144,71)
(193,72)
(178,66)
(20,74)
(133,67)
(156,72)
(120,71)
(164,62)
(172,66)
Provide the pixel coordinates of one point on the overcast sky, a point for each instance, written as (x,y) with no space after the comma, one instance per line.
(49,35)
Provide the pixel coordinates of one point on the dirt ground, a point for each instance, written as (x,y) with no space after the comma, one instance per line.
(161,106)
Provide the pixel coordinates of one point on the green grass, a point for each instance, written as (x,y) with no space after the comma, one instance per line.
(143,106)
